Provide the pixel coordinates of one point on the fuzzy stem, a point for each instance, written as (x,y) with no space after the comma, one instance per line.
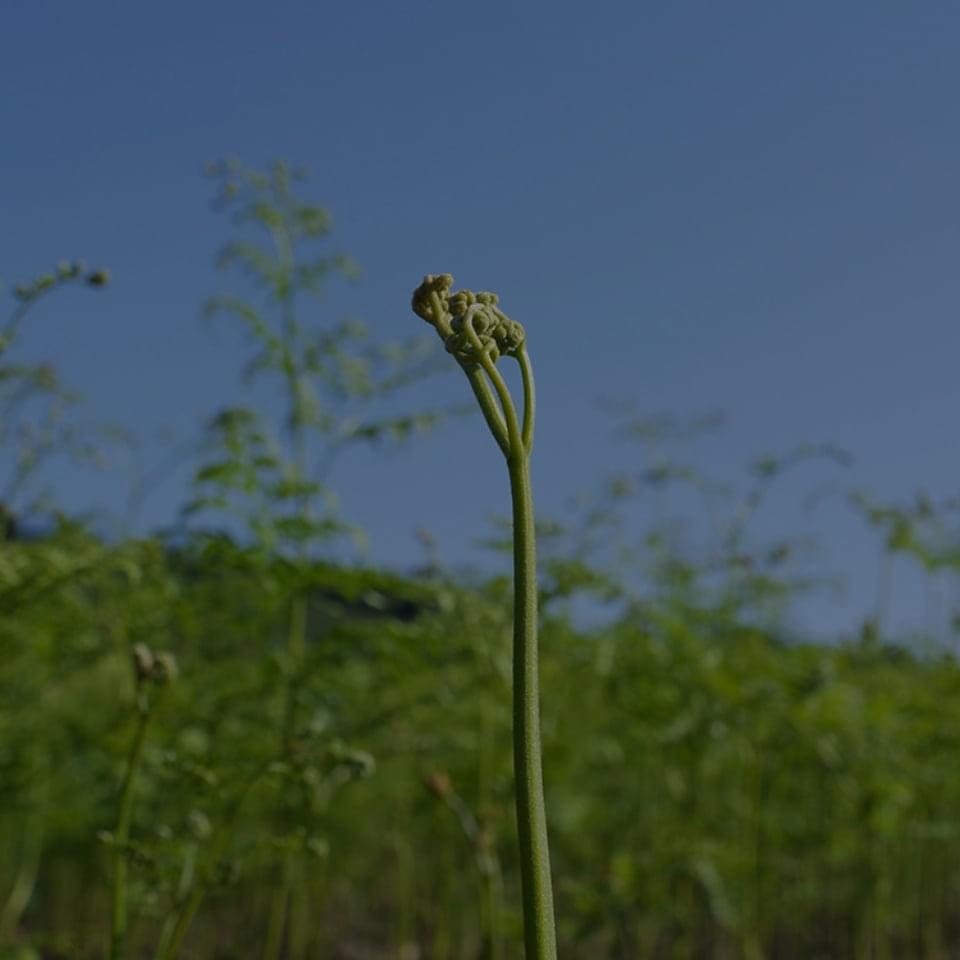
(538,918)
(539,933)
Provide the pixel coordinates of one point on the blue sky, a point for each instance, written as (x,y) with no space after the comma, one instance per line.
(750,208)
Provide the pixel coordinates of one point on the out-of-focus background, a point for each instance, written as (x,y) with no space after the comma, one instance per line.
(232,457)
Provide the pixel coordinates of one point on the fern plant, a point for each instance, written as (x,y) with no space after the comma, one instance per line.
(273,474)
(34,426)
(331,376)
(478,333)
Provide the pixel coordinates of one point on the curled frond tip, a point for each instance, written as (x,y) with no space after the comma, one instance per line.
(470,324)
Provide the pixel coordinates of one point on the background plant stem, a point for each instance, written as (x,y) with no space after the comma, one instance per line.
(24,880)
(121,834)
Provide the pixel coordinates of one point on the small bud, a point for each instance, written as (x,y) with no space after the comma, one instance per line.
(438,783)
(317,847)
(98,278)
(164,668)
(486,838)
(23,291)
(143,662)
(460,347)
(199,824)
(45,282)
(511,337)
(439,284)
(461,301)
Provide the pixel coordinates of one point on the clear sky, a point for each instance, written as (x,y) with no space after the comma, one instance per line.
(746,207)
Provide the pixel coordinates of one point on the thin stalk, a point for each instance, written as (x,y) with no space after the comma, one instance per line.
(487,864)
(488,406)
(170,945)
(299,923)
(493,895)
(529,398)
(184,889)
(24,881)
(277,920)
(297,632)
(121,833)
(296,649)
(434,302)
(195,890)
(539,931)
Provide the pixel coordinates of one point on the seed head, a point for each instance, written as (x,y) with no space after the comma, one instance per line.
(143,662)
(165,668)
(160,667)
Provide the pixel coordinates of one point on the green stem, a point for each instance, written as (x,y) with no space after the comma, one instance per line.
(196,889)
(185,887)
(276,921)
(431,301)
(296,650)
(24,881)
(171,943)
(121,833)
(488,870)
(493,894)
(539,932)
(166,936)
(302,900)
(529,398)
(488,406)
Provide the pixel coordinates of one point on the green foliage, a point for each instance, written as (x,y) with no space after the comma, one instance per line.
(331,774)
(477,332)
(333,380)
(708,784)
(35,426)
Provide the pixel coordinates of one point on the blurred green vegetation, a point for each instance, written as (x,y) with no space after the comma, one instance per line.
(329,773)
